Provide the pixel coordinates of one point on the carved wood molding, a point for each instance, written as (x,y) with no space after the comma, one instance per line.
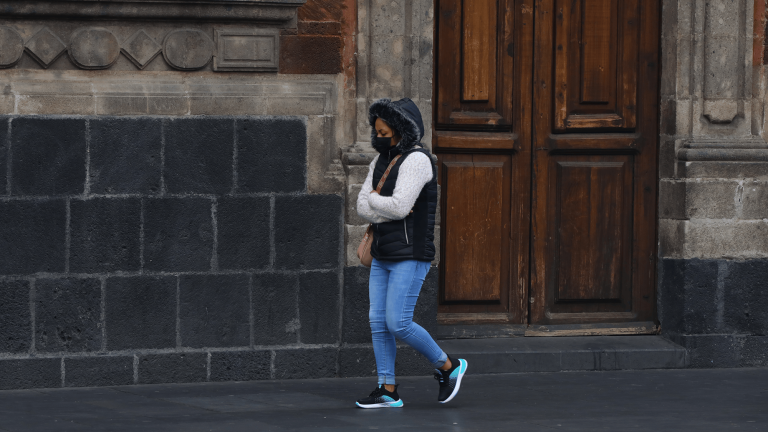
(268,11)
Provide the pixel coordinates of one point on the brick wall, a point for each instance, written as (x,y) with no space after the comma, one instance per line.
(323,42)
(169,249)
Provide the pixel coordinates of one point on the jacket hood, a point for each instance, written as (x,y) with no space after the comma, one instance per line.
(403,116)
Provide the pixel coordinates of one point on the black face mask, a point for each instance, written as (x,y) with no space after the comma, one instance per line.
(382,144)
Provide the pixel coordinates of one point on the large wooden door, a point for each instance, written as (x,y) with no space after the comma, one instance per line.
(546,132)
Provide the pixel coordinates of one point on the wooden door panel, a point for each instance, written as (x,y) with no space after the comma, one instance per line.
(596,64)
(478,51)
(592,202)
(481,135)
(474,53)
(594,161)
(476,225)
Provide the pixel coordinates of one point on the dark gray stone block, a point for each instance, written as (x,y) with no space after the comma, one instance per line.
(754,352)
(178,234)
(125,155)
(4,124)
(271,155)
(361,362)
(305,363)
(357,362)
(213,310)
(141,312)
(700,296)
(671,299)
(199,155)
(307,232)
(425,313)
(356,327)
(319,307)
(746,297)
(98,371)
(105,235)
(30,373)
(241,365)
(68,315)
(47,156)
(173,368)
(712,351)
(243,233)
(410,363)
(650,359)
(15,327)
(275,315)
(32,236)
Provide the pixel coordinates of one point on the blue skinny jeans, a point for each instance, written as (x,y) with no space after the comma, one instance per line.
(393,289)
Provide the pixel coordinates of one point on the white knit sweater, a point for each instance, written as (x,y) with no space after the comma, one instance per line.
(414,173)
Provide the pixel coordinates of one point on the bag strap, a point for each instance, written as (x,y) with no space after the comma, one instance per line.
(386,173)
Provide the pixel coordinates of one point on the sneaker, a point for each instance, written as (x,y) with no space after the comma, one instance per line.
(381,398)
(450,380)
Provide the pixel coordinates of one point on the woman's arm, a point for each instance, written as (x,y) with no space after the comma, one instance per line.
(414,173)
(363,207)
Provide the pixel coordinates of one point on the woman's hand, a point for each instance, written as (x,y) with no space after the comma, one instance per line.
(374,191)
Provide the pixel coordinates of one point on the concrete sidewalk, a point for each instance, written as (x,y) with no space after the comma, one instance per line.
(651,400)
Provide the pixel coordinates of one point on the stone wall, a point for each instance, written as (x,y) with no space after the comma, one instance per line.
(158,249)
(163,220)
(173,249)
(713,192)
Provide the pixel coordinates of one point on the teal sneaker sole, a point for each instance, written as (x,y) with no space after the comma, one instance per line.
(397,404)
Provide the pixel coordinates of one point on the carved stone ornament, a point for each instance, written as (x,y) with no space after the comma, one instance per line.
(45,47)
(141,49)
(187,49)
(247,50)
(11,47)
(94,48)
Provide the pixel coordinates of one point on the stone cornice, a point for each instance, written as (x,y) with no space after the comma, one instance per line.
(267,11)
(748,149)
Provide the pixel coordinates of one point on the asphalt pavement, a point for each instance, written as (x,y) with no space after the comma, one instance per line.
(650,400)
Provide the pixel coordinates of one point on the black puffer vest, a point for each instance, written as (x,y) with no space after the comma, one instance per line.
(412,238)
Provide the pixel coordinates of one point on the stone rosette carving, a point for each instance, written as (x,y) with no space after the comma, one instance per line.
(187,49)
(11,47)
(93,48)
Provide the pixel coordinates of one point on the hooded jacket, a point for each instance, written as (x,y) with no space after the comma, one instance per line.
(410,238)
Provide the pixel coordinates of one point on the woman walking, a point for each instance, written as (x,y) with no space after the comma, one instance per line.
(402,213)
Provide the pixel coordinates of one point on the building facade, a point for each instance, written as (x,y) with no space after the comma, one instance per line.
(179,180)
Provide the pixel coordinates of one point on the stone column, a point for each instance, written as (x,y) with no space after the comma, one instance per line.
(713,167)
(394,60)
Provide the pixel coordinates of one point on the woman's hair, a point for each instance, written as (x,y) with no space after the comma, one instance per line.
(395,132)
